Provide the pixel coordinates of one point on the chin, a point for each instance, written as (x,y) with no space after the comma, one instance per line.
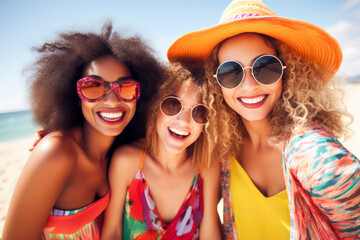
(113,133)
(175,149)
(254,118)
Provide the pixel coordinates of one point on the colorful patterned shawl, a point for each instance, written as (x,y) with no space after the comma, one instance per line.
(323,184)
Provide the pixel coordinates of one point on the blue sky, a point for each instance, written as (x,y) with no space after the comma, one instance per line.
(24,24)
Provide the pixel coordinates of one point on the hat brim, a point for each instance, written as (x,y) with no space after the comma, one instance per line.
(309,41)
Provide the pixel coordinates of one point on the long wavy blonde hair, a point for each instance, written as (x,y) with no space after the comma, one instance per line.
(306,97)
(203,149)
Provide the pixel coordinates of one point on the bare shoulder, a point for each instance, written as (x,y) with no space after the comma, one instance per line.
(126,161)
(128,153)
(41,182)
(56,146)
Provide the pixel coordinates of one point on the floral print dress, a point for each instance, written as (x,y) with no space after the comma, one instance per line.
(80,224)
(142,220)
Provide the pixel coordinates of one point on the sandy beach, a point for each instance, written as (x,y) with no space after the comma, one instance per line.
(13,155)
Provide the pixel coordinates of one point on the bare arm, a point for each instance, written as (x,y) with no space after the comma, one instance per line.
(210,224)
(39,186)
(123,167)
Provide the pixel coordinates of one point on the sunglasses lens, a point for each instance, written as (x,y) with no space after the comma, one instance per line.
(91,90)
(128,90)
(267,69)
(230,74)
(200,114)
(171,106)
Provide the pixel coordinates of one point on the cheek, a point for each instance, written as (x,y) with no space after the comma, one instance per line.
(228,95)
(276,89)
(199,129)
(160,122)
(132,109)
(86,109)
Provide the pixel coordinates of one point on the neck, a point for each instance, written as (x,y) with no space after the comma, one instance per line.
(95,144)
(170,160)
(258,132)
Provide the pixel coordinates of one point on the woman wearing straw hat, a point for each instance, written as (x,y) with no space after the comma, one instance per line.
(272,81)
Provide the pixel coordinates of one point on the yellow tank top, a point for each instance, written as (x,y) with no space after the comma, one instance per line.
(257,216)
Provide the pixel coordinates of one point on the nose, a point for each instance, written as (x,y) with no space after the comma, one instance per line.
(249,83)
(185,115)
(111,98)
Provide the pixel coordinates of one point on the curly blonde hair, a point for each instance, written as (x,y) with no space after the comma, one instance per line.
(306,97)
(202,149)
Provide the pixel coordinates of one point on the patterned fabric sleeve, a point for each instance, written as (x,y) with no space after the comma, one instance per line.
(323,184)
(229,229)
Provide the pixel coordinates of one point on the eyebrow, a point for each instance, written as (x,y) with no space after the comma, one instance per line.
(124,78)
(96,77)
(100,78)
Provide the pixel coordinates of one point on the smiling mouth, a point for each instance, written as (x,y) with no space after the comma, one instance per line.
(178,134)
(252,100)
(112,117)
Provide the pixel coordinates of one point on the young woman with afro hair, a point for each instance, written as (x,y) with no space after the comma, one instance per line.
(90,92)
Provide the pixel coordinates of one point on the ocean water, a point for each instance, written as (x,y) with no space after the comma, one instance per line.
(16,125)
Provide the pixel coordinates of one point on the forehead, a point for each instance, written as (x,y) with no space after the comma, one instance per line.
(247,45)
(107,67)
(189,92)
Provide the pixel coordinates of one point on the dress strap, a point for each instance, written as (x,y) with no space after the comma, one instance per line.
(143,154)
(70,224)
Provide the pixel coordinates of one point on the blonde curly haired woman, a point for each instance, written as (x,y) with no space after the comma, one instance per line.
(166,186)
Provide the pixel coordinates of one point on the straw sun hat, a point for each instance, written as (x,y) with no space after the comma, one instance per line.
(311,42)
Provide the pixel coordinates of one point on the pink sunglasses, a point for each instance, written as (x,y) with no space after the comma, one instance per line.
(93,90)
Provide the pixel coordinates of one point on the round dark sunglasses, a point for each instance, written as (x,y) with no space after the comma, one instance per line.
(266,70)
(93,90)
(172,106)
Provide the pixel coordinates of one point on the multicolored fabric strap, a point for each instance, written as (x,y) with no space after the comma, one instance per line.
(83,223)
(229,221)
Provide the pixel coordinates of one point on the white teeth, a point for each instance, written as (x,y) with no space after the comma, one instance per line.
(179,132)
(111,116)
(252,100)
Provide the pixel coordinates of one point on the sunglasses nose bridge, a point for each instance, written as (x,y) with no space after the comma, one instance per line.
(111,87)
(249,80)
(114,86)
(185,113)
(250,70)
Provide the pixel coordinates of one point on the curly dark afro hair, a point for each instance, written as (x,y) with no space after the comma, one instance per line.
(54,98)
